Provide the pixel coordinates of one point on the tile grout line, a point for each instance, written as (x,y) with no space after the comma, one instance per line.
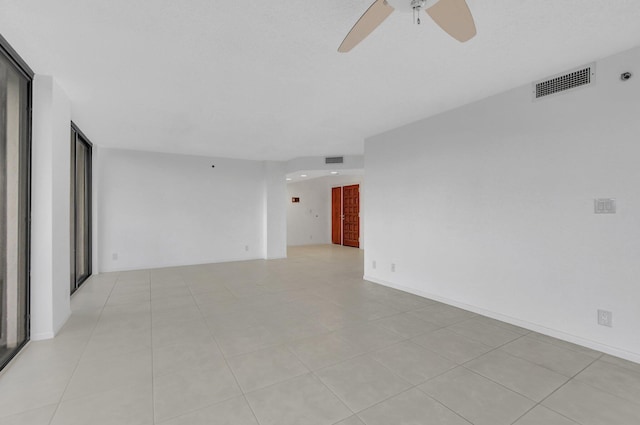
(405,340)
(408,339)
(368,353)
(286,343)
(153,386)
(226,362)
(599,388)
(312,372)
(571,378)
(416,387)
(152,371)
(60,401)
(463,365)
(512,355)
(430,378)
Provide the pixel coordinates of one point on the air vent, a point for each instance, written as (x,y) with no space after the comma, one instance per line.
(334,160)
(581,77)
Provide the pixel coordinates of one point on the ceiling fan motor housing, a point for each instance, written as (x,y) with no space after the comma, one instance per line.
(411,5)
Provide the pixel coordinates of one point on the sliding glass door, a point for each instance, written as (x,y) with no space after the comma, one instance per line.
(80,208)
(15,96)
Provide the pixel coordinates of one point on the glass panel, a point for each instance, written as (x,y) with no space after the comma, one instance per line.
(5,316)
(81,265)
(14,205)
(80,210)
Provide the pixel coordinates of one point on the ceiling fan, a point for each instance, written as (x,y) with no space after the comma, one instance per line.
(453,16)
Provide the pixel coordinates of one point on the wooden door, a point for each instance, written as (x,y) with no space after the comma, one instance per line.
(351,212)
(336,215)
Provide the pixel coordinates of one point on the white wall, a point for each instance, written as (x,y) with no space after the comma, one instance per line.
(50,244)
(490,207)
(309,221)
(275,218)
(159,210)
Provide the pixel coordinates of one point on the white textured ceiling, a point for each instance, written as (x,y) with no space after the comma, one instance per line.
(263,80)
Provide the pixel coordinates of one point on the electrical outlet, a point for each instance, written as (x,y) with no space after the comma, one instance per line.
(393,267)
(246,247)
(605,318)
(114,256)
(373,264)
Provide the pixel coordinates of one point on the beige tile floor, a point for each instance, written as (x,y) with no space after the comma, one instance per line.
(301,341)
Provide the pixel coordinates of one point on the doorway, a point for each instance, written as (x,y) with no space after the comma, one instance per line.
(345,215)
(80,208)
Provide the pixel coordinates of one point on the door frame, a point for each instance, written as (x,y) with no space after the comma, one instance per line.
(337,227)
(341,215)
(355,186)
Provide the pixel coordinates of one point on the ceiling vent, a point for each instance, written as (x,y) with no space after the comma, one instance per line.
(334,160)
(562,83)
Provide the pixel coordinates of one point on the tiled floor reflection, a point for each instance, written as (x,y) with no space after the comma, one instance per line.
(301,341)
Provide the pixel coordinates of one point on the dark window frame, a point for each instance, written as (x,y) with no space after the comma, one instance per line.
(21,66)
(79,136)
(17,61)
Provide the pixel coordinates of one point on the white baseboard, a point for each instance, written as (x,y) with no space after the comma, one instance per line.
(171,265)
(614,351)
(41,336)
(58,326)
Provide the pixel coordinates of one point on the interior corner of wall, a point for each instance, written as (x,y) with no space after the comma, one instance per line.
(42,81)
(41,336)
(58,326)
(58,89)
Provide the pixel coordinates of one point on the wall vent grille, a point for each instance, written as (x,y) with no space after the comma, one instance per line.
(334,160)
(561,83)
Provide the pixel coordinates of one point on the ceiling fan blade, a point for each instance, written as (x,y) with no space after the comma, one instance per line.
(377,12)
(455,18)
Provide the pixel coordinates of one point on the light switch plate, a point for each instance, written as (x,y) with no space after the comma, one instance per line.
(604,206)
